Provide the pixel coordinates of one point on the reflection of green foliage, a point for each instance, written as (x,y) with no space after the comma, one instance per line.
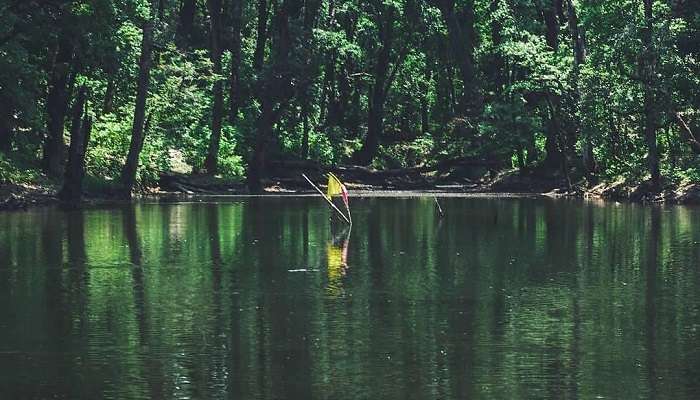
(505,298)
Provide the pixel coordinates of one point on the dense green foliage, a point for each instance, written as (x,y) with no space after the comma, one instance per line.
(596,89)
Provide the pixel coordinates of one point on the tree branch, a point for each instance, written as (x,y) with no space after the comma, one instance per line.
(687,132)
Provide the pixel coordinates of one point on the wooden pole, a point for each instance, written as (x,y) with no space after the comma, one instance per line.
(327,199)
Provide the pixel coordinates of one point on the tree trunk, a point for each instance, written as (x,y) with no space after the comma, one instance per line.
(128,176)
(332,107)
(460,32)
(311,10)
(549,15)
(375,126)
(579,49)
(648,64)
(256,169)
(235,95)
(79,137)
(305,130)
(57,108)
(375,115)
(275,90)
(6,126)
(424,105)
(186,22)
(497,69)
(554,157)
(212,159)
(577,35)
(261,41)
(108,103)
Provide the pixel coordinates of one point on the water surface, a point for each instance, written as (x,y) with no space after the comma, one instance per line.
(266,299)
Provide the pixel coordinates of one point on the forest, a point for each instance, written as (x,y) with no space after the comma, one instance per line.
(114,93)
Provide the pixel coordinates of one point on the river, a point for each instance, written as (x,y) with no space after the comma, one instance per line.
(265,298)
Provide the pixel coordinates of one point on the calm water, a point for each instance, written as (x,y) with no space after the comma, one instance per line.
(264,299)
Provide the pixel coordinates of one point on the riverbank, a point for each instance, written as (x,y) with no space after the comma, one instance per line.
(364,182)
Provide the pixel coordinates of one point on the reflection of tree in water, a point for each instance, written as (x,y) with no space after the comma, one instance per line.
(507,307)
(155,375)
(652,263)
(78,272)
(337,255)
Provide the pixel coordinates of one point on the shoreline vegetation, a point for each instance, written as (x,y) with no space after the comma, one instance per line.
(102,100)
(362,182)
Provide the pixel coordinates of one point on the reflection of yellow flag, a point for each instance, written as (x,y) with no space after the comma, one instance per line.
(335,262)
(334,186)
(335,270)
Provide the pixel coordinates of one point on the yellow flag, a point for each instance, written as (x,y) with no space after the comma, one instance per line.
(334,186)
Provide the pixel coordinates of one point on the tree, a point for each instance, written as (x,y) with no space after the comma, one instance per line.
(461,36)
(383,76)
(6,126)
(275,88)
(185,25)
(79,138)
(57,105)
(128,176)
(235,88)
(648,67)
(579,51)
(217,112)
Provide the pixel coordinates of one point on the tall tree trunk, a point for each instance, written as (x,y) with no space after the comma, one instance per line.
(549,15)
(275,90)
(379,90)
(161,9)
(554,103)
(497,69)
(579,49)
(554,157)
(108,103)
(265,124)
(79,137)
(331,107)
(328,104)
(460,31)
(6,126)
(261,40)
(311,67)
(185,24)
(235,95)
(128,176)
(57,108)
(305,130)
(424,103)
(648,66)
(217,113)
(577,36)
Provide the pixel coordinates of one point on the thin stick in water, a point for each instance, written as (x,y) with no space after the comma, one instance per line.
(442,214)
